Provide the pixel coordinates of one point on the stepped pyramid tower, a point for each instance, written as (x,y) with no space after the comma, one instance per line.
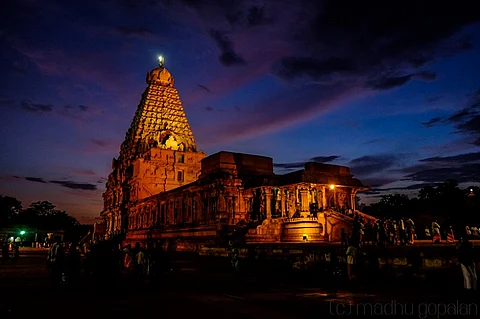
(160,120)
(157,155)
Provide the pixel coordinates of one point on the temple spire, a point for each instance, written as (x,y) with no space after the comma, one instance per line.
(160,120)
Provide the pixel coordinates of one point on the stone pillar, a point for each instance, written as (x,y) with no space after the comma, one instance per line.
(282,202)
(268,203)
(234,208)
(324,198)
(352,200)
(305,209)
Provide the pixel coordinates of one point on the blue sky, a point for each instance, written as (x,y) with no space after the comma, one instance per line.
(391,90)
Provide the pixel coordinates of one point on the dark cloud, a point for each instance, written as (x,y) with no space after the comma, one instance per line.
(36,179)
(392,82)
(209,108)
(426,76)
(377,39)
(134,32)
(67,110)
(203,87)
(371,192)
(292,67)
(101,143)
(75,185)
(324,159)
(82,108)
(30,106)
(256,16)
(419,186)
(375,182)
(228,56)
(331,51)
(462,167)
(375,141)
(433,121)
(461,173)
(370,164)
(382,191)
(67,184)
(248,17)
(465,121)
(457,159)
(300,165)
(295,165)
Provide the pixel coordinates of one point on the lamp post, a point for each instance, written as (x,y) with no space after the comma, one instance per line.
(332,187)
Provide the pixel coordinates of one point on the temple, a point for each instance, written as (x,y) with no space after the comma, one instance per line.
(161,186)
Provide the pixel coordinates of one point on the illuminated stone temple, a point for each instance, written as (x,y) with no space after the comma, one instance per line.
(162,187)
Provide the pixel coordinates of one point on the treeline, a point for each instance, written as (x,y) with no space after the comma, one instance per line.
(41,215)
(445,202)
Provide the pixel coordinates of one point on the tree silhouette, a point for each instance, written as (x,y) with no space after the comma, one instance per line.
(445,202)
(10,207)
(41,215)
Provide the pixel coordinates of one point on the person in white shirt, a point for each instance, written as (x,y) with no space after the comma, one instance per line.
(352,253)
(140,262)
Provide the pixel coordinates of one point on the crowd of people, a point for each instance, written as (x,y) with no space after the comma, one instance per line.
(104,261)
(402,231)
(383,232)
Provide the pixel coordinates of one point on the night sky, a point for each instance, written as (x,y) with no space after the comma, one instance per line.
(391,89)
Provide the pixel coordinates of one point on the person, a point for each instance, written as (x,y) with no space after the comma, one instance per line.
(450,235)
(352,253)
(235,253)
(427,232)
(5,252)
(343,243)
(411,231)
(436,232)
(73,265)
(467,264)
(127,259)
(140,263)
(55,259)
(16,251)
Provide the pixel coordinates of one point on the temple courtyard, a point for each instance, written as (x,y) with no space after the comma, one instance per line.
(204,287)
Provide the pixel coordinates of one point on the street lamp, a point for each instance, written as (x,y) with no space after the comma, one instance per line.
(22,232)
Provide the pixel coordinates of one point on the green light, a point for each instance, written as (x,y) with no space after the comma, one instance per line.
(22,232)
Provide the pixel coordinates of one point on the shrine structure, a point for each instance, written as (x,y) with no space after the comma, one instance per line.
(161,186)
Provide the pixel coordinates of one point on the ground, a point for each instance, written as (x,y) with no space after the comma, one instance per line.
(199,291)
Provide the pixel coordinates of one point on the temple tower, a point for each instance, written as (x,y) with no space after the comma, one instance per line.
(158,153)
(160,120)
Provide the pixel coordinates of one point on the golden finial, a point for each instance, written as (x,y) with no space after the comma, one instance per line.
(161,60)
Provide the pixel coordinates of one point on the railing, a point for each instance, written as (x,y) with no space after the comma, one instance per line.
(296,219)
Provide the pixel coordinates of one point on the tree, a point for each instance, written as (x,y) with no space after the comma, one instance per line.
(43,208)
(10,207)
(445,202)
